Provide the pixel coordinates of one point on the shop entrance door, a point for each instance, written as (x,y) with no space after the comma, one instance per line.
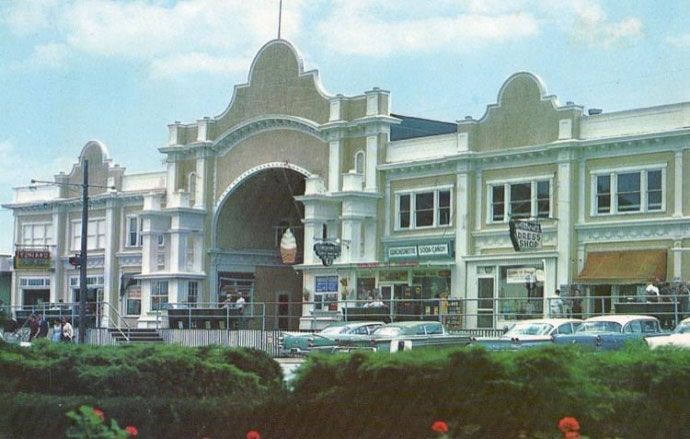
(485,303)
(283,311)
(390,294)
(602,299)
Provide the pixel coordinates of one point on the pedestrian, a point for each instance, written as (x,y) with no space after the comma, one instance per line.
(67,331)
(652,292)
(57,332)
(33,327)
(42,326)
(576,304)
(684,299)
(556,305)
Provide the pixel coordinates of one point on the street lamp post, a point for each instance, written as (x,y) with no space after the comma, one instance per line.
(84,185)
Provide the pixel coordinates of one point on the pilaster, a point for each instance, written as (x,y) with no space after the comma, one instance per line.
(678,185)
(563,223)
(462,215)
(370,184)
(334,147)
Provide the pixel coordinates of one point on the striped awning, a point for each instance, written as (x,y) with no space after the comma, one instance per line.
(623,267)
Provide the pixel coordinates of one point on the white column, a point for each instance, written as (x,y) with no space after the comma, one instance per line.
(462,245)
(56,281)
(678,186)
(149,247)
(350,239)
(370,240)
(311,228)
(677,261)
(563,224)
(200,196)
(582,190)
(479,202)
(372,161)
(334,166)
(110,273)
(387,210)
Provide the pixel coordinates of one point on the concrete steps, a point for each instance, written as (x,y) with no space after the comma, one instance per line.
(136,335)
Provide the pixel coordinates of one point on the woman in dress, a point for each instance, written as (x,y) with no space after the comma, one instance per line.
(57,332)
(67,331)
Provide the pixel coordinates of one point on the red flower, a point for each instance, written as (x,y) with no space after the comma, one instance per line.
(568,424)
(132,430)
(100,414)
(253,434)
(439,427)
(572,435)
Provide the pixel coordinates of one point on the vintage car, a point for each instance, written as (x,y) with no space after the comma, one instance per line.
(680,337)
(528,333)
(400,336)
(303,343)
(612,331)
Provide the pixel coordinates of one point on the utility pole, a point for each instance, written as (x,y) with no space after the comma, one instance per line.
(84,242)
(84,185)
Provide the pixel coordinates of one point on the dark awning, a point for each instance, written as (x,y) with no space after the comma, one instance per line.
(623,267)
(126,281)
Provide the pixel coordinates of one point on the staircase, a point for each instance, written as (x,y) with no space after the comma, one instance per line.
(136,335)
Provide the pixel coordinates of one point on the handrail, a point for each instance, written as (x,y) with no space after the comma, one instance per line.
(120,318)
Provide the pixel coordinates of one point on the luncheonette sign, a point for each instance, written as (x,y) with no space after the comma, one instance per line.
(414,251)
(327,251)
(32,259)
(525,235)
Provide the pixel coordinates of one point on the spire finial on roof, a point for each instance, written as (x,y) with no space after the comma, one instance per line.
(280,16)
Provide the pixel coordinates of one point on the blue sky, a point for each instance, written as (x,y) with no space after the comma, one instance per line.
(120,71)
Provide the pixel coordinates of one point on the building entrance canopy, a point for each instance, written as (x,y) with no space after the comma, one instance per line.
(623,267)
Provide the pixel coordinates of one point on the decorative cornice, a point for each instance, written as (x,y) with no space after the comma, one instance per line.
(631,231)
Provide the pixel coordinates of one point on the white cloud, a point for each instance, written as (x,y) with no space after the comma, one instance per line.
(17,169)
(370,28)
(195,62)
(154,32)
(679,41)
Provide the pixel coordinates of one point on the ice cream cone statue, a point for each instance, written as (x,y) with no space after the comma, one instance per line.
(288,247)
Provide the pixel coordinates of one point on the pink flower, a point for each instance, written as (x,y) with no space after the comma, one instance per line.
(568,424)
(132,430)
(100,414)
(253,434)
(439,427)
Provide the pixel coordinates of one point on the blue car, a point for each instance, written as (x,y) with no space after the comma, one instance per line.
(612,332)
(528,333)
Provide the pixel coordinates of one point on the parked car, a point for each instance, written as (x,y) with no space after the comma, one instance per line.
(528,333)
(401,336)
(612,331)
(680,337)
(303,343)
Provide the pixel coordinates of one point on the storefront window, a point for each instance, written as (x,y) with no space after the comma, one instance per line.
(434,283)
(365,287)
(521,292)
(325,291)
(393,276)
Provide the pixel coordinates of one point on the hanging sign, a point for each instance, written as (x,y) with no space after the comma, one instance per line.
(32,259)
(525,235)
(327,251)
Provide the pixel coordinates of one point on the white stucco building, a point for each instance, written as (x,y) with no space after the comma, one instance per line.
(419,208)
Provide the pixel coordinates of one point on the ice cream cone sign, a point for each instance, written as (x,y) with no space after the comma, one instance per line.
(288,247)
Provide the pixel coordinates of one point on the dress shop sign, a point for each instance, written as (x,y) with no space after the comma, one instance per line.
(426,250)
(525,235)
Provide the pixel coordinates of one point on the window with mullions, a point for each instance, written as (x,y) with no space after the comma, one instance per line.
(159,295)
(628,192)
(520,200)
(424,209)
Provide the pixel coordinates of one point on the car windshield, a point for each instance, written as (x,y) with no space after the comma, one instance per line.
(332,330)
(599,327)
(387,331)
(529,329)
(683,328)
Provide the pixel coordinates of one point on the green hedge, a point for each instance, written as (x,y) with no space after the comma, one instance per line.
(138,370)
(634,393)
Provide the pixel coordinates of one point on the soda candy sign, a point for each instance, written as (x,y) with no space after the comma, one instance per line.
(433,250)
(525,235)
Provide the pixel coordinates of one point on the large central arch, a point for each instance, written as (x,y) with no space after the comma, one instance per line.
(249,220)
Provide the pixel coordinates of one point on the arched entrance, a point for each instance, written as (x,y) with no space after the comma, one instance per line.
(249,222)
